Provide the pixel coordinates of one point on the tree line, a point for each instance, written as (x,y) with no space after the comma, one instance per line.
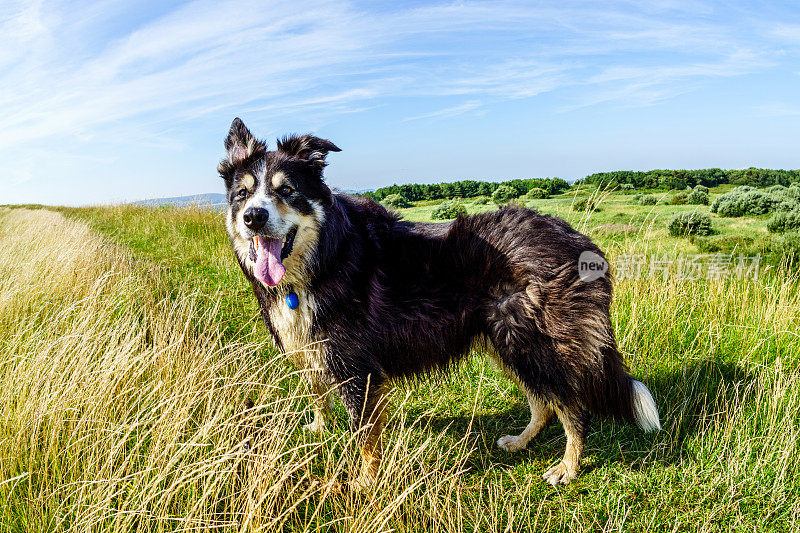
(650,179)
(466,189)
(681,179)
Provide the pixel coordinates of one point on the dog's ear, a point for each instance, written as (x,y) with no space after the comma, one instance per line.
(239,145)
(307,148)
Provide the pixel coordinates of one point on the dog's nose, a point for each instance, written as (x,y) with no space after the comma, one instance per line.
(255,218)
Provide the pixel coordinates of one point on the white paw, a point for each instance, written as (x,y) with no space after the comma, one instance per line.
(511,443)
(361,483)
(560,474)
(317,426)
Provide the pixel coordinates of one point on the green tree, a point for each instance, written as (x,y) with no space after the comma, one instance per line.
(503,194)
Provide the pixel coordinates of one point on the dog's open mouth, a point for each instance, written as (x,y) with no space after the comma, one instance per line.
(268,254)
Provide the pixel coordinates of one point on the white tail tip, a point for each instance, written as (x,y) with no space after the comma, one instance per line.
(644,408)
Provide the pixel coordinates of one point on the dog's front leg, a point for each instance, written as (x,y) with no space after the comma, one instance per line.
(366,399)
(323,402)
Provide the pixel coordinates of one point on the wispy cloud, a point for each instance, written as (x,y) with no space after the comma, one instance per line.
(777,109)
(207,55)
(452,111)
(647,85)
(96,71)
(789,33)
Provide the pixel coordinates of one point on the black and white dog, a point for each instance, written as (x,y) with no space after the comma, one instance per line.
(361,298)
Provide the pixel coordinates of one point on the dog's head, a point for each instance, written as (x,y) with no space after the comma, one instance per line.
(276,202)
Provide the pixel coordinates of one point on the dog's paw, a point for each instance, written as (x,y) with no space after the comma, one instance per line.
(332,485)
(511,443)
(560,474)
(361,484)
(317,426)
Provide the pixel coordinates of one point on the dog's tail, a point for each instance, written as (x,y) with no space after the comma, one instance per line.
(645,412)
(614,393)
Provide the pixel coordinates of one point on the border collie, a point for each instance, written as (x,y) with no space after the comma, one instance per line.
(361,298)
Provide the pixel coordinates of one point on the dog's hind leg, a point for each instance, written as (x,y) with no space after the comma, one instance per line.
(576,424)
(541,414)
(541,411)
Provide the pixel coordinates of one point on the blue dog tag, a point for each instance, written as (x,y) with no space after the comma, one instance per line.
(292,301)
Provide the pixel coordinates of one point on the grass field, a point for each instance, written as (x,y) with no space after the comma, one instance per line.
(130,343)
(614,209)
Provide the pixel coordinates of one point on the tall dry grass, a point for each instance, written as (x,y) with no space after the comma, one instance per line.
(119,411)
(123,408)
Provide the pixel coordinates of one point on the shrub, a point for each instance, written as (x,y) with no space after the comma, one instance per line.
(626,187)
(396,200)
(536,194)
(680,198)
(697,197)
(788,245)
(791,193)
(690,223)
(503,194)
(784,221)
(701,188)
(481,200)
(585,204)
(648,199)
(747,201)
(449,209)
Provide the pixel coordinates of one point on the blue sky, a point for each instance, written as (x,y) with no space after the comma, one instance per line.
(114,101)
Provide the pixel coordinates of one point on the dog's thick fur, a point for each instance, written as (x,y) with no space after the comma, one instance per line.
(382,299)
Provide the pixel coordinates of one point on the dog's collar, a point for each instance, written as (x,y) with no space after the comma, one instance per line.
(292,301)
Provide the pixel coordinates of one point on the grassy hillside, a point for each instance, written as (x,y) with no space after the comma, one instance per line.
(130,343)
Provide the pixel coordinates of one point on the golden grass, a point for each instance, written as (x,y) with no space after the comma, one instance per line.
(122,408)
(120,412)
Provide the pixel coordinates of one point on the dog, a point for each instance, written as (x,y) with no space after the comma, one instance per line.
(361,298)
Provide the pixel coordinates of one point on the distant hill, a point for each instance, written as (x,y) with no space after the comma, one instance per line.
(211,199)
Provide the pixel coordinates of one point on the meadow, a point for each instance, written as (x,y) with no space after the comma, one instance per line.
(139,392)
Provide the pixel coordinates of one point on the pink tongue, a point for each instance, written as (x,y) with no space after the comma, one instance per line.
(269,268)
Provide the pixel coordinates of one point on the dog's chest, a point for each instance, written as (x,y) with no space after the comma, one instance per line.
(293,326)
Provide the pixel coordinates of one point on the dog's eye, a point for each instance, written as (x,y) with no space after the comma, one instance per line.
(242,193)
(285,190)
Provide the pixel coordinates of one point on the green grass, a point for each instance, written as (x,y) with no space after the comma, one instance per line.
(174,332)
(187,247)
